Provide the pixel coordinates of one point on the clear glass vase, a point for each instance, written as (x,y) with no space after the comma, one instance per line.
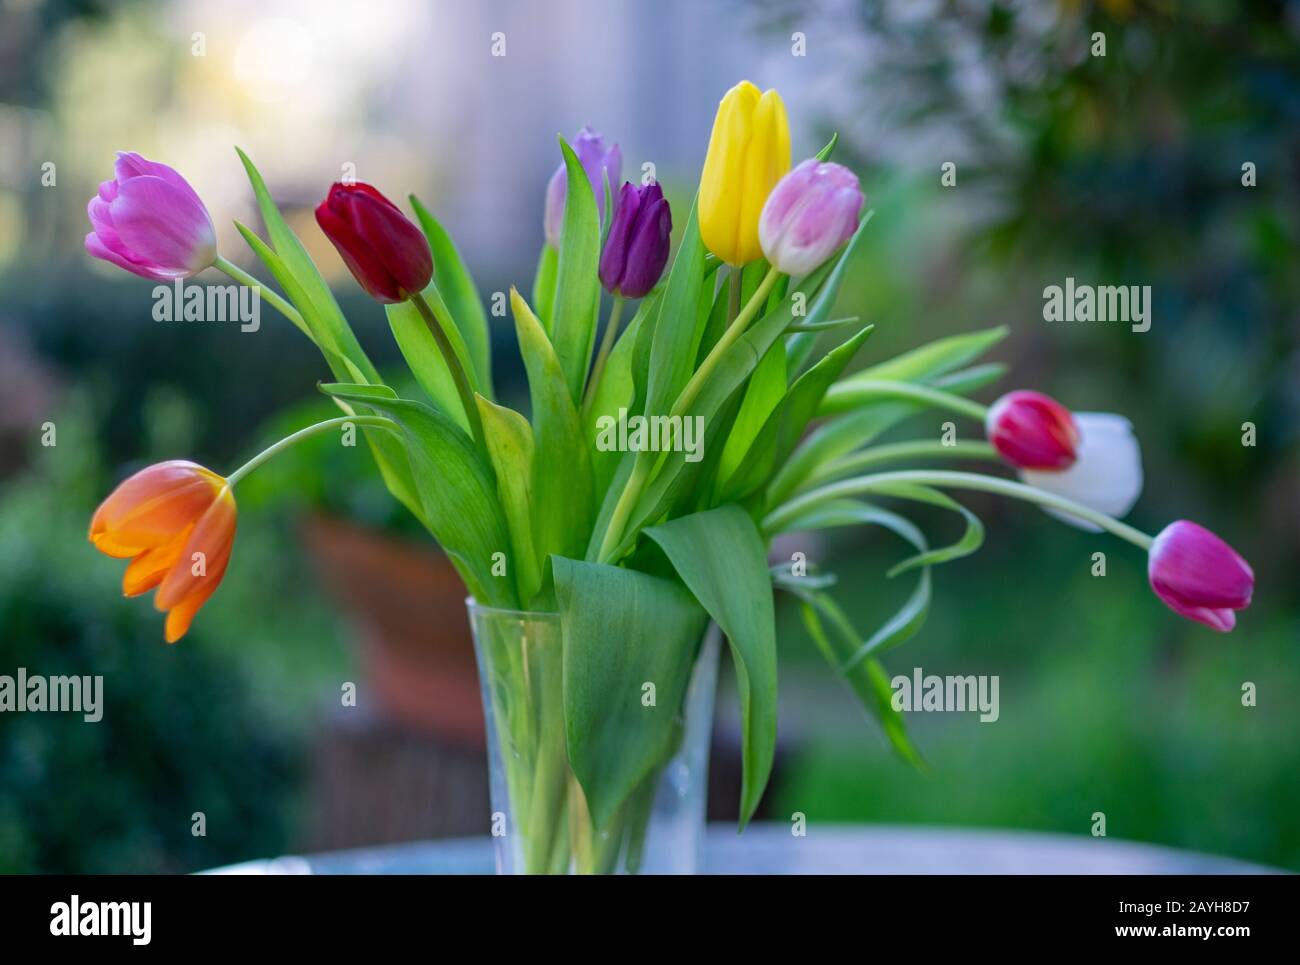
(540,823)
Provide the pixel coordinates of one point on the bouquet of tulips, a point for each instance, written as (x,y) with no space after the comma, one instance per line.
(636,531)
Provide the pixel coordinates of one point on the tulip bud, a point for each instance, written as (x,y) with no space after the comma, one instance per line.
(1032,431)
(598,160)
(386,253)
(637,248)
(1199,576)
(749,151)
(1106,474)
(811,212)
(148,220)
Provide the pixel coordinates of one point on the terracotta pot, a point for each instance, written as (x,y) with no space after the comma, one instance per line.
(407,605)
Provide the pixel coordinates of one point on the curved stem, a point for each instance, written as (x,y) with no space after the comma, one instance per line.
(894,452)
(789,512)
(602,356)
(854,392)
(457,370)
(272,298)
(301,434)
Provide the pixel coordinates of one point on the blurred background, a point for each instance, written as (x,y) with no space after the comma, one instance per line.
(1122,169)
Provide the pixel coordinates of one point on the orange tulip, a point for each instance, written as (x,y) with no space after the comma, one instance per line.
(175,521)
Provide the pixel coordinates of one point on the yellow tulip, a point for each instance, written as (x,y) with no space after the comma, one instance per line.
(749,151)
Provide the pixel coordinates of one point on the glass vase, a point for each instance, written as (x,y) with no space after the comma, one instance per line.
(540,822)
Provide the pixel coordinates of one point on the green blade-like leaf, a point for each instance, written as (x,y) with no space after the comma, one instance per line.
(936,358)
(510,447)
(910,617)
(622,629)
(455,485)
(617,390)
(461,294)
(577,287)
(548,263)
(563,490)
(720,557)
(786,424)
(868,680)
(763,393)
(423,357)
(676,335)
(329,326)
(848,431)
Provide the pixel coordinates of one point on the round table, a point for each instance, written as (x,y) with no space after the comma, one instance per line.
(827,849)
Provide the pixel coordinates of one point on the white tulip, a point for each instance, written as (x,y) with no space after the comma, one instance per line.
(1107,473)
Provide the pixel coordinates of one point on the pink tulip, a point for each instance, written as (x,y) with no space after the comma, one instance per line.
(1032,431)
(1199,576)
(811,212)
(149,221)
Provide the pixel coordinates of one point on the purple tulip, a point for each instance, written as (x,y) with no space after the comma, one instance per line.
(637,247)
(811,212)
(596,157)
(1199,576)
(149,221)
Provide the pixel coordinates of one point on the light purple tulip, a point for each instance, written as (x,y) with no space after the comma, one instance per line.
(1199,576)
(811,212)
(596,157)
(149,221)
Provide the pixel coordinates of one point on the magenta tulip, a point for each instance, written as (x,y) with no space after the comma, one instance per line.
(1032,431)
(1199,576)
(149,221)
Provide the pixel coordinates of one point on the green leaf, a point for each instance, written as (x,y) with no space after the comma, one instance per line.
(786,424)
(676,335)
(461,294)
(910,617)
(510,447)
(763,393)
(318,306)
(455,486)
(720,557)
(617,390)
(868,679)
(848,431)
(622,629)
(936,358)
(577,288)
(544,285)
(423,357)
(563,490)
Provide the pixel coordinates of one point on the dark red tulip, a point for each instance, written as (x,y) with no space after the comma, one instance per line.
(386,253)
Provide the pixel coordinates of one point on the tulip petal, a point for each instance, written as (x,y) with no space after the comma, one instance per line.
(182,615)
(213,538)
(163,225)
(152,506)
(148,569)
(1107,471)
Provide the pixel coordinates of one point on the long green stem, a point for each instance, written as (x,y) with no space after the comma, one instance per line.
(641,468)
(788,513)
(276,302)
(457,370)
(602,356)
(300,435)
(898,451)
(852,393)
